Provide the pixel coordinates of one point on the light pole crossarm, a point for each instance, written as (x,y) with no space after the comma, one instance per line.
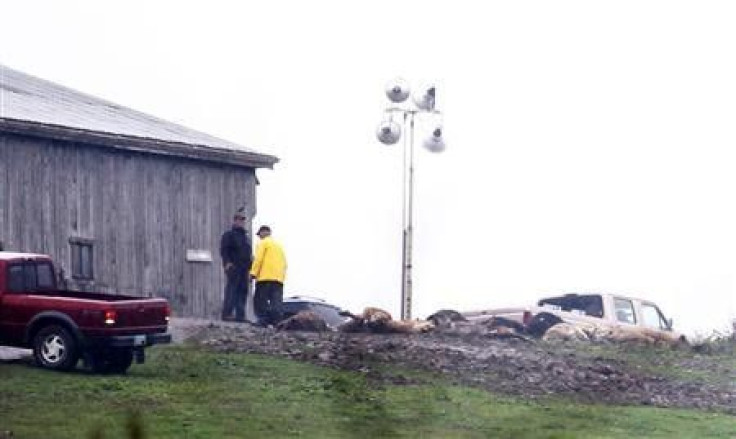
(410,111)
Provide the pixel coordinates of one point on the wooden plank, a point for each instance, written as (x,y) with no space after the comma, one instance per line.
(213,289)
(25,196)
(178,247)
(109,242)
(59,172)
(198,205)
(98,221)
(4,189)
(14,201)
(168,228)
(127,214)
(161,235)
(140,193)
(185,218)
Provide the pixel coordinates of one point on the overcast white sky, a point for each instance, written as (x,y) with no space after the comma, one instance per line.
(590,144)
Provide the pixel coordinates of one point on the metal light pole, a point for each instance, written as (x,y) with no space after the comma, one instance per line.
(389,132)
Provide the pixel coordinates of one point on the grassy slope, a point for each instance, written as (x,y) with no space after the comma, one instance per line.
(188,393)
(716,367)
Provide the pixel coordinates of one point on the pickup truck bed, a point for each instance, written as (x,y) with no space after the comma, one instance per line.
(61,326)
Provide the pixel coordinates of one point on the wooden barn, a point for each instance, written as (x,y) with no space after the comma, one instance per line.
(123,201)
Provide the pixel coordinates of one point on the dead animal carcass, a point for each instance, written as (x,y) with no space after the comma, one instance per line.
(378,321)
(503,325)
(303,321)
(446,318)
(623,334)
(541,323)
(581,331)
(565,332)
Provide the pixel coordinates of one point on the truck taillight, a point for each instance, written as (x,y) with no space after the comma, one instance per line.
(110,317)
(527,317)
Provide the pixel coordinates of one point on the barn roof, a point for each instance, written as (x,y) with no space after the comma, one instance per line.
(33,106)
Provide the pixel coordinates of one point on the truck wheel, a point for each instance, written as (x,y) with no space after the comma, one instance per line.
(112,361)
(55,348)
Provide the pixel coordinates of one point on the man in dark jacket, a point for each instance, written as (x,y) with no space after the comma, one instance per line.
(236,253)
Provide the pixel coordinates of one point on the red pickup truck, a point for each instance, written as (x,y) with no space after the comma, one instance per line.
(108,331)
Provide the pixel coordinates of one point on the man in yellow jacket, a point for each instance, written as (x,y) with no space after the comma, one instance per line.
(269,271)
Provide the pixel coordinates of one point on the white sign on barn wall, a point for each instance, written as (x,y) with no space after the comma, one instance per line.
(199,255)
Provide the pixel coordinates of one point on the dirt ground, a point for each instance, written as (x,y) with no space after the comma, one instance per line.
(512,366)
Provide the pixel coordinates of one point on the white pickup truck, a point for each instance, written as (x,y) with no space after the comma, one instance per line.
(600,310)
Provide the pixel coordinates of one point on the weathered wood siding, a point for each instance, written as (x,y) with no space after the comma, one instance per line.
(142,212)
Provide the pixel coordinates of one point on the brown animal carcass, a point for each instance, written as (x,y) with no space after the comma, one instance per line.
(368,321)
(618,334)
(303,321)
(378,321)
(409,326)
(565,332)
(639,335)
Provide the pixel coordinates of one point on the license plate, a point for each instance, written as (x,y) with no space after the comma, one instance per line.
(139,340)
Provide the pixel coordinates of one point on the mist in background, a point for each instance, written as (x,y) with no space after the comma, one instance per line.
(590,144)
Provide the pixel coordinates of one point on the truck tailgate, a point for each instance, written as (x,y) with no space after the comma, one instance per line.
(138,315)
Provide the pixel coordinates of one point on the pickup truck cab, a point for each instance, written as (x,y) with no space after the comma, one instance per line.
(596,309)
(60,326)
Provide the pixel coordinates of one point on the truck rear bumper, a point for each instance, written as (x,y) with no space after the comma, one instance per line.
(130,341)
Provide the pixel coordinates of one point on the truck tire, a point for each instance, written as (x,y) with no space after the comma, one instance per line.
(54,347)
(114,361)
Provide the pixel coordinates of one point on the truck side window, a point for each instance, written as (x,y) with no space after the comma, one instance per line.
(651,316)
(15,278)
(45,276)
(624,310)
(30,277)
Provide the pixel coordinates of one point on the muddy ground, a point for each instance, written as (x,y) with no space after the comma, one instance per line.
(521,367)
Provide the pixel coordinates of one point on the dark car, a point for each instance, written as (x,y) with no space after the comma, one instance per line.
(329,312)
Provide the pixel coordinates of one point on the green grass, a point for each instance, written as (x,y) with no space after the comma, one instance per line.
(184,392)
(714,366)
